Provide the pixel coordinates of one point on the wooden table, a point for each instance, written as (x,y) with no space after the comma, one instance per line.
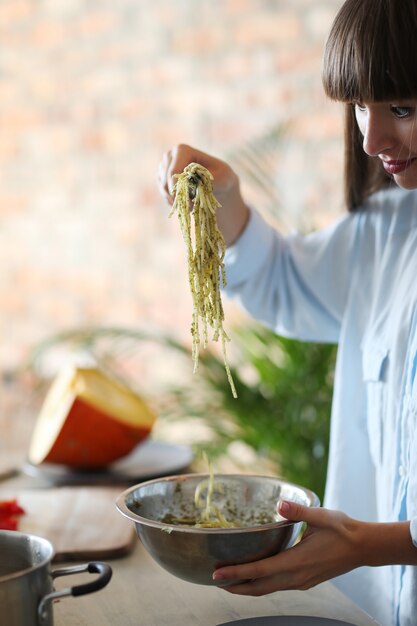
(141,593)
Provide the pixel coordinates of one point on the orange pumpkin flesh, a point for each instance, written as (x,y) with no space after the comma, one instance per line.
(88,420)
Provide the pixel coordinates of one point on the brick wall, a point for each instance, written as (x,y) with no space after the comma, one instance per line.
(91,94)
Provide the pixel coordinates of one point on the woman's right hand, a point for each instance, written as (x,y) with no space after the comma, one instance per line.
(233,214)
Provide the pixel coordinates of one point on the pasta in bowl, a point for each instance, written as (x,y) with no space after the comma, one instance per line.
(191,524)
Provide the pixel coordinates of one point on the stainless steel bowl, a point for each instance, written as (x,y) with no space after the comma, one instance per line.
(194,553)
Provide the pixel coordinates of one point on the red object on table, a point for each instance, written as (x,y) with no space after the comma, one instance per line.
(10,511)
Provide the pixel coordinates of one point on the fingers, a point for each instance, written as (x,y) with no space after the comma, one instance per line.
(328,548)
(247,571)
(176,160)
(234,216)
(314,516)
(173,162)
(165,183)
(277,573)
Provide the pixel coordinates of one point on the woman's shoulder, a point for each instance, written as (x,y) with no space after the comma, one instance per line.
(391,199)
(392,208)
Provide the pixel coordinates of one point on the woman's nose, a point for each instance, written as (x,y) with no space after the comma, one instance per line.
(377,137)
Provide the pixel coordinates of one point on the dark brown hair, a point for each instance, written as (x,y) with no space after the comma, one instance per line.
(370,56)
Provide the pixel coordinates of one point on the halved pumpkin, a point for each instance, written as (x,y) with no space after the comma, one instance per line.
(88,420)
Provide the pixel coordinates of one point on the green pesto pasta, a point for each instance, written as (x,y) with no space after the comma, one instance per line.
(205,249)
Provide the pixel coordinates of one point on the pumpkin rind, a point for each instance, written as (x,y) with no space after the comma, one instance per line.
(75,429)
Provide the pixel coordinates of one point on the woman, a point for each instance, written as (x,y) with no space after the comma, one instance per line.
(355,284)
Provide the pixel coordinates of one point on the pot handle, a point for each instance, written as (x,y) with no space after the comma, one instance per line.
(94,567)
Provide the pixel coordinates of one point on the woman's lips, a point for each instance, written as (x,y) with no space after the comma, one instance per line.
(396,167)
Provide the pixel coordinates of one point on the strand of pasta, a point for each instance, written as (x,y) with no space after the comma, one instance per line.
(205,250)
(211,516)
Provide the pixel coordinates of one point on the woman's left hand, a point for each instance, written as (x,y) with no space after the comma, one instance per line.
(331,545)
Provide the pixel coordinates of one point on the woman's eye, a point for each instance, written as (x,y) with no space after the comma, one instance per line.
(360,106)
(401,112)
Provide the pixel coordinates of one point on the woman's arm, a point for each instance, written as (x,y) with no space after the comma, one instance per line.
(333,544)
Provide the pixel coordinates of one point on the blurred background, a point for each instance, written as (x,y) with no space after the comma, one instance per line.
(91,95)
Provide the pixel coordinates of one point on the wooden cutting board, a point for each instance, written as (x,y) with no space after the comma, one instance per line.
(82,523)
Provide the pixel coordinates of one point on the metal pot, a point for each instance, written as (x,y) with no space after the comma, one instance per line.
(26,580)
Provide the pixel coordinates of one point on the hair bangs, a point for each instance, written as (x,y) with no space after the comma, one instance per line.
(371,52)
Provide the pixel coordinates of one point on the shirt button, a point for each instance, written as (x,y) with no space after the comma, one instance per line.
(402,471)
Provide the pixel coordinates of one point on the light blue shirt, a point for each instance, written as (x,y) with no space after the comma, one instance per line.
(355,284)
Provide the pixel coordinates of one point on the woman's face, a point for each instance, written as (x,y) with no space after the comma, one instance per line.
(390,133)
